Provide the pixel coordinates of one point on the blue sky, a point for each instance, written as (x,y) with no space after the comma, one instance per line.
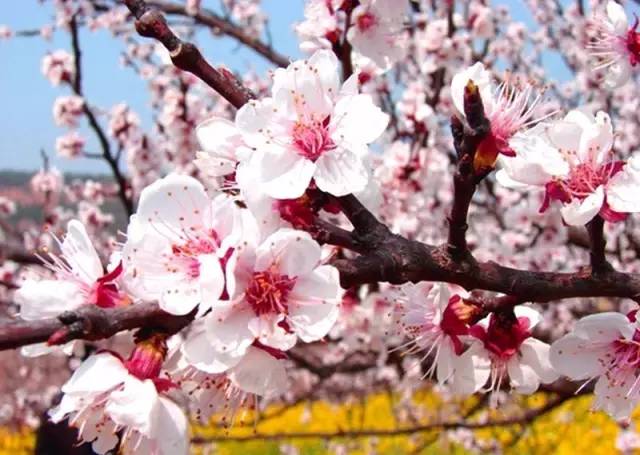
(26,123)
(26,97)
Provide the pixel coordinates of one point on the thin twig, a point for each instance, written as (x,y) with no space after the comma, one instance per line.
(526,418)
(597,243)
(76,85)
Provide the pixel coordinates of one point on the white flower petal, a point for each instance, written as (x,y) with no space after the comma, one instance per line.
(357,120)
(67,405)
(623,190)
(580,212)
(181,297)
(99,373)
(134,406)
(312,321)
(198,351)
(597,140)
(214,165)
(535,354)
(618,74)
(618,17)
(260,373)
(480,77)
(293,252)
(255,122)
(307,85)
(473,369)
(105,442)
(327,67)
(604,327)
(39,349)
(228,329)
(216,132)
(613,397)
(47,298)
(211,281)
(172,425)
(503,178)
(533,316)
(537,161)
(564,135)
(239,271)
(576,358)
(284,174)
(522,377)
(445,367)
(173,206)
(80,253)
(323,283)
(268,330)
(341,172)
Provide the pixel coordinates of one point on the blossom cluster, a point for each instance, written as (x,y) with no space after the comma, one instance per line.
(376,31)
(255,284)
(254,296)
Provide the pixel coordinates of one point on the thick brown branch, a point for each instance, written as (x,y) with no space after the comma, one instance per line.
(89,323)
(362,219)
(327,233)
(151,23)
(398,260)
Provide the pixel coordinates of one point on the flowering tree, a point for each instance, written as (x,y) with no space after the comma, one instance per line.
(406,207)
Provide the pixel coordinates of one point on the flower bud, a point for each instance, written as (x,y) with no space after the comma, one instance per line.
(148,356)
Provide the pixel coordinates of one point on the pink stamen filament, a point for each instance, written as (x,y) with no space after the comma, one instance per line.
(268,291)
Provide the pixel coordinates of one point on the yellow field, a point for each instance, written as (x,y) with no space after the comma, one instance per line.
(569,429)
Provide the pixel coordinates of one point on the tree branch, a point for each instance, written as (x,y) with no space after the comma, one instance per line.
(8,253)
(327,233)
(343,49)
(597,242)
(466,140)
(90,322)
(398,260)
(76,86)
(151,23)
(215,22)
(527,417)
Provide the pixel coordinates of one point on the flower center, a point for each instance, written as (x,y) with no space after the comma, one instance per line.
(312,139)
(267,292)
(197,245)
(105,293)
(298,212)
(366,21)
(632,43)
(504,335)
(194,247)
(624,358)
(584,179)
